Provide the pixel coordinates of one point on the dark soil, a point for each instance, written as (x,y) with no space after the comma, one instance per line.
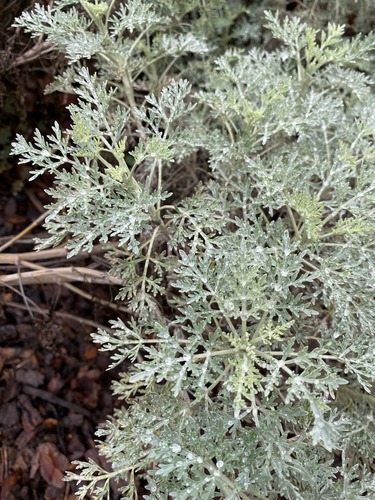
(54,387)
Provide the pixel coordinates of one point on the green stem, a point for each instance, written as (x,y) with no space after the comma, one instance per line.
(129,91)
(310,265)
(296,354)
(165,72)
(294,223)
(168,207)
(108,475)
(224,352)
(96,20)
(327,235)
(104,161)
(160,182)
(144,276)
(230,132)
(110,7)
(219,379)
(259,327)
(347,204)
(136,41)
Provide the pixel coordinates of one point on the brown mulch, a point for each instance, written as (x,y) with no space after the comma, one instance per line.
(54,387)
(54,391)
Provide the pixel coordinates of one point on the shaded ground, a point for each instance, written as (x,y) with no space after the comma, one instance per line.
(53,393)
(54,388)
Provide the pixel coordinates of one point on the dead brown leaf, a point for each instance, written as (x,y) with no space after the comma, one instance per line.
(52,464)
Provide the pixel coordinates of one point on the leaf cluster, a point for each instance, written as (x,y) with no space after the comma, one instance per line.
(233,184)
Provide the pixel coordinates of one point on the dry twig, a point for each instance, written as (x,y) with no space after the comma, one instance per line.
(59,275)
